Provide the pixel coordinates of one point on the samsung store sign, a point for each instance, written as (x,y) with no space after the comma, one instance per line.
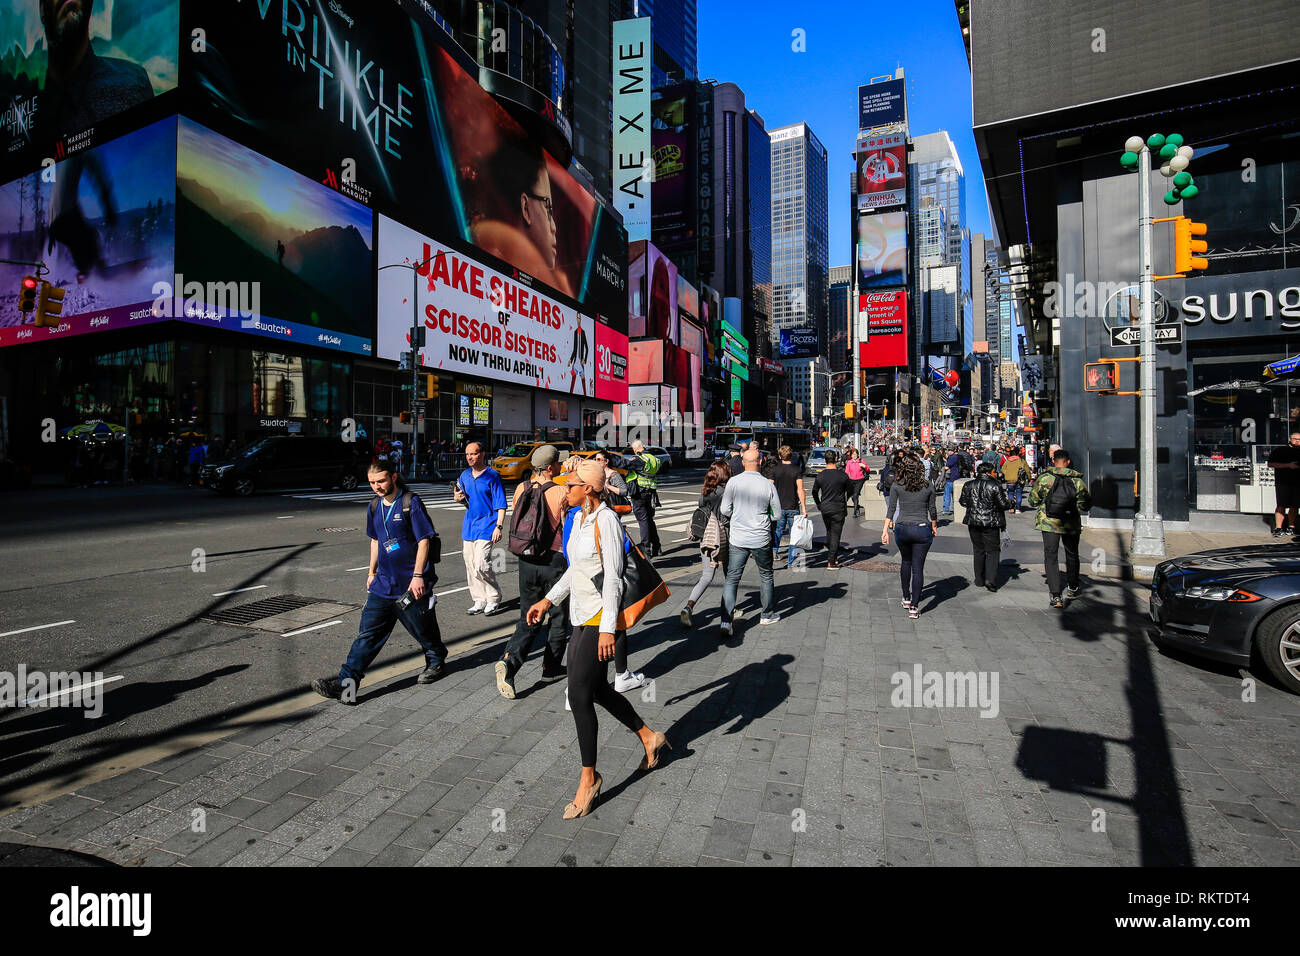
(1247,304)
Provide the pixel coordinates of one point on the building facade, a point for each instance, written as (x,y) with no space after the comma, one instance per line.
(799,233)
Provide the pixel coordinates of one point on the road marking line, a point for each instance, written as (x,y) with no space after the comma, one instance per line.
(364,567)
(255,587)
(38,627)
(63,693)
(314,627)
(453,591)
(282,517)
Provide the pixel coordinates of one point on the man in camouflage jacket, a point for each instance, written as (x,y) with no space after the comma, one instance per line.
(1058,531)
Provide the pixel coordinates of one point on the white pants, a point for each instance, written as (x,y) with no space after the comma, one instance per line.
(478,570)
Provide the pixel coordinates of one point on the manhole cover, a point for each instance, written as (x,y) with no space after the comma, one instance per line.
(259,610)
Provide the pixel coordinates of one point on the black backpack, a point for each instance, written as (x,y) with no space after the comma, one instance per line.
(1061,501)
(435,545)
(700,521)
(531,534)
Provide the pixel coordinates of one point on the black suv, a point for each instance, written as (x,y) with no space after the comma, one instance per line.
(286,461)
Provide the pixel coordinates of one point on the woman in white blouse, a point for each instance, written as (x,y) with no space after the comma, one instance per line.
(595,548)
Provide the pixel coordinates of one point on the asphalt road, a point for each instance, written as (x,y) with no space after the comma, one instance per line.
(120,566)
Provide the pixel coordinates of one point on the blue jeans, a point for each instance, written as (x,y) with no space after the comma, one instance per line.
(1014,492)
(947,495)
(784,524)
(914,542)
(736,559)
(378,618)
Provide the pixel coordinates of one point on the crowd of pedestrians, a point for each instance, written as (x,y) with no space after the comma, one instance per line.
(574,553)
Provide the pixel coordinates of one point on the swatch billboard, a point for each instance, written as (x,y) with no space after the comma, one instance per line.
(375,101)
(478,320)
(105,229)
(882,329)
(243,220)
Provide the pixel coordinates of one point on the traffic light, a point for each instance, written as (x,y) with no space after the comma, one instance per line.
(27,294)
(50,305)
(849,410)
(1100,377)
(428,386)
(404,418)
(1185,245)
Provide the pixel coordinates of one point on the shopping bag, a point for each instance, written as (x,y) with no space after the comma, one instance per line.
(801,533)
(1006,539)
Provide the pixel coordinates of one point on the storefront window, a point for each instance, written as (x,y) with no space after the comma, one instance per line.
(1233,430)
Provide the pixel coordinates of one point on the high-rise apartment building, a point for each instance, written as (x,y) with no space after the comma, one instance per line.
(799,232)
(840,337)
(937,174)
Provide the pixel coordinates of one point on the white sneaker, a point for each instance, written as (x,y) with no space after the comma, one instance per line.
(566,699)
(725,627)
(491,609)
(629,681)
(476,609)
(771,618)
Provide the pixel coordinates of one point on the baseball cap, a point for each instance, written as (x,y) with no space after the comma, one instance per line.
(545,456)
(587,473)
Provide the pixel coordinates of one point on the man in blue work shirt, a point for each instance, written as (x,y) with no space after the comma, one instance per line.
(479,489)
(400,542)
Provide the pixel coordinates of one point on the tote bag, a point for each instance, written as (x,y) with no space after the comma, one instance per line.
(643,588)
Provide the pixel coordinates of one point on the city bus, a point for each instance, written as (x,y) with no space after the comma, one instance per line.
(769,435)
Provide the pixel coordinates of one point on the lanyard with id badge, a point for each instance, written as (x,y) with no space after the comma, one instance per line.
(391,545)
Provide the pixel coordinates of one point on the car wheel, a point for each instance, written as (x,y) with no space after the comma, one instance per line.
(349,481)
(244,487)
(1278,642)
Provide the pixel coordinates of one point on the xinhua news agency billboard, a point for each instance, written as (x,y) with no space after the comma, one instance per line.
(881,104)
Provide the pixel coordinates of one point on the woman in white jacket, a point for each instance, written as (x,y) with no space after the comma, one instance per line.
(595,549)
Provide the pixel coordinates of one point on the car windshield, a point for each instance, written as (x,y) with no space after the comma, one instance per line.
(517,451)
(255,448)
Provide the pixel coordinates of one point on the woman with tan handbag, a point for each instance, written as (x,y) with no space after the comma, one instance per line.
(595,547)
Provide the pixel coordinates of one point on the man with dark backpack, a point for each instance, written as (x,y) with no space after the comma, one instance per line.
(404,547)
(1061,497)
(536,540)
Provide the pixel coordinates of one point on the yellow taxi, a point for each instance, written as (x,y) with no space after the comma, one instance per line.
(515,463)
(616,461)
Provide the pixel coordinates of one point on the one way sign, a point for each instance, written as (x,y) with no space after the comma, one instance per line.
(1132,336)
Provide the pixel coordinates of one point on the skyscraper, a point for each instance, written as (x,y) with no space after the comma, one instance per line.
(673,30)
(799,232)
(840,337)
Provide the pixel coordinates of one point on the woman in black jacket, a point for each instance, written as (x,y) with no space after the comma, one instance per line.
(986,504)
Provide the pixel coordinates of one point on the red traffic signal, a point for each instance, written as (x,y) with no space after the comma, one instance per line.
(735,407)
(27,294)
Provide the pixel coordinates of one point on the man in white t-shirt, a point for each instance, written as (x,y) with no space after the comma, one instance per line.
(751,503)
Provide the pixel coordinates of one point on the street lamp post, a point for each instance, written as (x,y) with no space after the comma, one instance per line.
(415,350)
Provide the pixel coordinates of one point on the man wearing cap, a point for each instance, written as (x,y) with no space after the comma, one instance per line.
(479,489)
(537,575)
(642,483)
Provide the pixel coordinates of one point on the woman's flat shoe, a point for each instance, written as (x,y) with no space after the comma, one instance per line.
(659,743)
(574,810)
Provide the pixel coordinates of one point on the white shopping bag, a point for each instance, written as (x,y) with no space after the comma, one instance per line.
(1006,540)
(801,533)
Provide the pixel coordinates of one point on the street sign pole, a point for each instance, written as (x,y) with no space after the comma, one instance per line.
(1148,526)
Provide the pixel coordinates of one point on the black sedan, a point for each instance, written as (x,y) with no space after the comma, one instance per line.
(1232,604)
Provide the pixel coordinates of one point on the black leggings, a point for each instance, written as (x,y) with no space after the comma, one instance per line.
(620,652)
(855,491)
(589,685)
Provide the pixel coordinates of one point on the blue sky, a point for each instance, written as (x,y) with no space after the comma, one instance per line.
(848,42)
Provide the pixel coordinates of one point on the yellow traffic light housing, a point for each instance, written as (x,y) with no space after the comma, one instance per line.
(50,305)
(1185,245)
(27,294)
(849,410)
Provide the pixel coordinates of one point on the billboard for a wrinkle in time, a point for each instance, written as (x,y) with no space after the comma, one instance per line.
(374,100)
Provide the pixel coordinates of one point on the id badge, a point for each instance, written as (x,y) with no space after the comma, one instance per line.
(392,545)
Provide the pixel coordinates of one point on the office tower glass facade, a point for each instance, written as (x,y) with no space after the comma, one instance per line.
(799,233)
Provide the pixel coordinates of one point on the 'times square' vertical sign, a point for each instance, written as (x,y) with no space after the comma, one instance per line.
(633,165)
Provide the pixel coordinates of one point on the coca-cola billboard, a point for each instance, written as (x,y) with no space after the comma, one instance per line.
(882,329)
